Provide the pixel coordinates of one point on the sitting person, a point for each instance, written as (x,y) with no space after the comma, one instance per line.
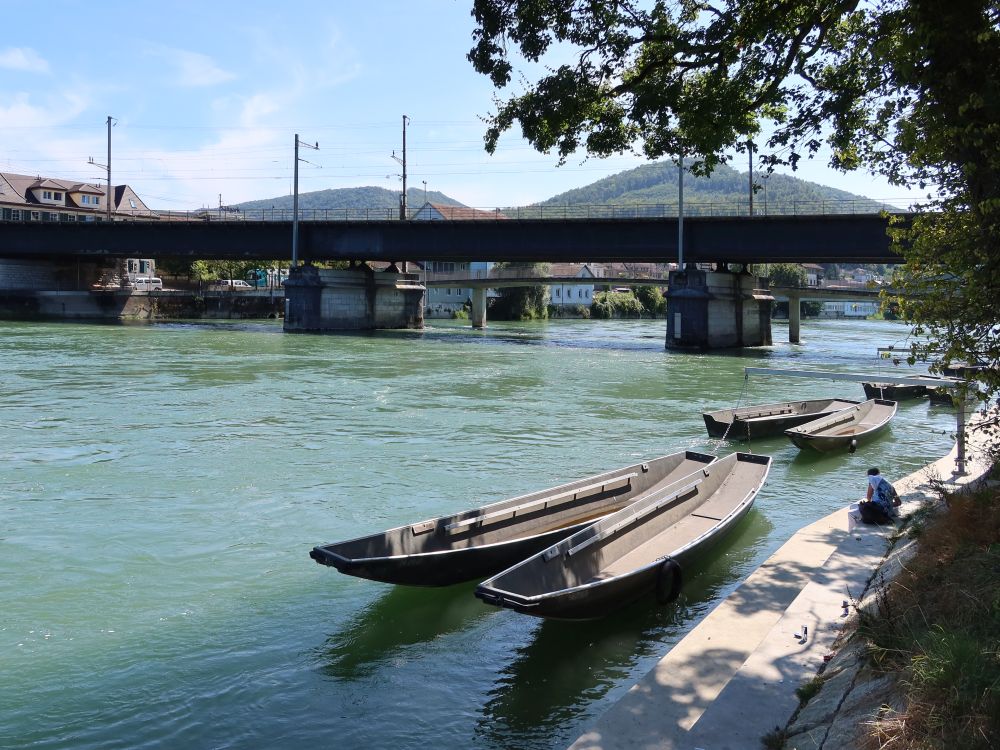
(882,502)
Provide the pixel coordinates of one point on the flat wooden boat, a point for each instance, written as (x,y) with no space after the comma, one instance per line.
(845,430)
(634,552)
(479,543)
(893,392)
(767,420)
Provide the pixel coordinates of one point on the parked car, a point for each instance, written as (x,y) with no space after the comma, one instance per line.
(230,285)
(147,283)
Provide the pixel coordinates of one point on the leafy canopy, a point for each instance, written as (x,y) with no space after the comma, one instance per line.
(909,89)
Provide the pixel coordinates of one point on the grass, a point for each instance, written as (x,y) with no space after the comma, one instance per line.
(937,627)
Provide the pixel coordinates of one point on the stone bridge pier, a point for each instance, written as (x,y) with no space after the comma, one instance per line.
(357,299)
(716,310)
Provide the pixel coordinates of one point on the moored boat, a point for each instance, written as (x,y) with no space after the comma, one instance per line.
(479,543)
(636,551)
(846,429)
(766,420)
(893,392)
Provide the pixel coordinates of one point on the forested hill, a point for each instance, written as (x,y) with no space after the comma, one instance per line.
(649,184)
(657,183)
(354,198)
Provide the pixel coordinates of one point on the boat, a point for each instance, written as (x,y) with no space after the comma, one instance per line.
(476,544)
(893,392)
(637,551)
(845,429)
(766,420)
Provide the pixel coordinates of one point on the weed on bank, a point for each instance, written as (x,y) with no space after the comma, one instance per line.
(936,626)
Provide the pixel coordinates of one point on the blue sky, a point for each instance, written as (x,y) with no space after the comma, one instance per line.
(207,98)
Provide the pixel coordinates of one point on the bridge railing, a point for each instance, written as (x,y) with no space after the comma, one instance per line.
(542,212)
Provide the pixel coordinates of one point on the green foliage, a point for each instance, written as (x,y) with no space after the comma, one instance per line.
(657,184)
(808,690)
(784,274)
(522,302)
(209,270)
(812,309)
(357,198)
(652,300)
(616,305)
(903,88)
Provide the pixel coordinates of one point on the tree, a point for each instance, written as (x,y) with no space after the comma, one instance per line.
(784,274)
(522,302)
(903,88)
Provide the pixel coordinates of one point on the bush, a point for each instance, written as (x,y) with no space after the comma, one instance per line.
(938,626)
(616,305)
(652,299)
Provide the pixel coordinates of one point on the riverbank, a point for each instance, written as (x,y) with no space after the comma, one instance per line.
(736,677)
(119,304)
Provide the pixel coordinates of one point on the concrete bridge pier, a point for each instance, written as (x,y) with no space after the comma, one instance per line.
(794,318)
(358,299)
(716,310)
(478,307)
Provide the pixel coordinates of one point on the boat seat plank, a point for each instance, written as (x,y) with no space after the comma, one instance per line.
(677,535)
(766,413)
(574,493)
(632,517)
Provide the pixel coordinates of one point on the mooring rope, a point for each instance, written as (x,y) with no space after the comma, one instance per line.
(743,391)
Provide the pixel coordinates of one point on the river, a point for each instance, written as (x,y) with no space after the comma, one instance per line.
(163,484)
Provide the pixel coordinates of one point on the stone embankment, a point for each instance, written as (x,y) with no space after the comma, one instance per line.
(734,678)
(126,305)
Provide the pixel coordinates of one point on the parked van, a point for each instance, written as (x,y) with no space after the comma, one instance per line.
(147,283)
(230,285)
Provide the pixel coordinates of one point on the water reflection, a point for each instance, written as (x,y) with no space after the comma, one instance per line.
(403,616)
(566,665)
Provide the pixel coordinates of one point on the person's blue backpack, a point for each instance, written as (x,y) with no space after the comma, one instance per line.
(879,508)
(886,495)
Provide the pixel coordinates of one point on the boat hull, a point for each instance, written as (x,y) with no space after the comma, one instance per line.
(482,542)
(637,551)
(601,600)
(891,392)
(846,430)
(447,567)
(769,420)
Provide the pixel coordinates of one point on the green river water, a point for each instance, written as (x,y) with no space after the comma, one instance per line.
(162,486)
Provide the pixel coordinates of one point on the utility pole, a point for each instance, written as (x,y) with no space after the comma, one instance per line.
(680,211)
(295,200)
(109,199)
(106,168)
(750,153)
(402,198)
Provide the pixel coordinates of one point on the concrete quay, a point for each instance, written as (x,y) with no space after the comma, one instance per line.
(733,678)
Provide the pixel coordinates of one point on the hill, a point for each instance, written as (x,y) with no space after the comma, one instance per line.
(649,184)
(350,198)
(657,183)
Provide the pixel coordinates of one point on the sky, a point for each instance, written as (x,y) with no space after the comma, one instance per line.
(207,99)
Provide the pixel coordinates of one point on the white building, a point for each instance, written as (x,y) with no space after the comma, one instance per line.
(568,294)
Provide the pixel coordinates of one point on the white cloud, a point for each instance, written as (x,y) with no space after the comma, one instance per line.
(23,58)
(59,109)
(192,69)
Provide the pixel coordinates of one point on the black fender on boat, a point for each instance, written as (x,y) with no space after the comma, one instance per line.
(668,581)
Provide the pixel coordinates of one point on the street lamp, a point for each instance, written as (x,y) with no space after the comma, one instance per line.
(295,199)
(425,190)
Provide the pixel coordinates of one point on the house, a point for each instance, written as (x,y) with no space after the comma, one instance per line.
(849,309)
(565,294)
(36,198)
(814,273)
(442,302)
